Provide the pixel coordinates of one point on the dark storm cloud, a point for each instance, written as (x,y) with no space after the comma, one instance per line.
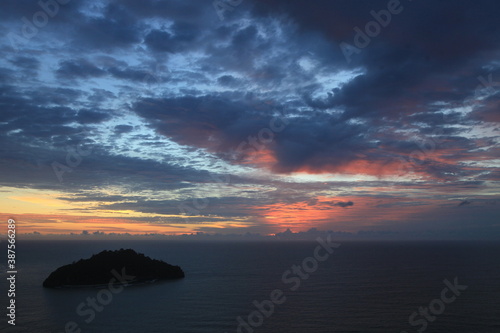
(106,66)
(44,114)
(436,118)
(27,63)
(119,129)
(183,35)
(6,74)
(99,197)
(160,41)
(227,80)
(463,203)
(116,29)
(493,175)
(92,116)
(16,10)
(488,111)
(343,204)
(80,68)
(222,125)
(324,142)
(176,9)
(128,74)
(55,96)
(25,166)
(403,71)
(192,120)
(424,43)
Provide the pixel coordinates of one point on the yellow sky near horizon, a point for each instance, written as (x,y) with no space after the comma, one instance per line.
(43,211)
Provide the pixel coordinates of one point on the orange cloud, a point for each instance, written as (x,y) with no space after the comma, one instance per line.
(324,213)
(360,167)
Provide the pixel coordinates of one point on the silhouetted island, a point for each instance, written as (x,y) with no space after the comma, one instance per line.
(116,267)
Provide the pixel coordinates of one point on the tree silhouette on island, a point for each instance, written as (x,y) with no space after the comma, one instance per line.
(125,267)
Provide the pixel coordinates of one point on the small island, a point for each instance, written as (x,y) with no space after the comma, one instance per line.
(125,267)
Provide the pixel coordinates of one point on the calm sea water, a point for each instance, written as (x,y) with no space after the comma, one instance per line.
(361,287)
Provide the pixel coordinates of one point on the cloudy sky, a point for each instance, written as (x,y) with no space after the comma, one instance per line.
(250,116)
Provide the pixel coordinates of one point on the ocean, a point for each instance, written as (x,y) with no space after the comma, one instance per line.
(264,287)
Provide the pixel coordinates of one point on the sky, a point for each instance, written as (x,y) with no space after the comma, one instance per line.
(238,116)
